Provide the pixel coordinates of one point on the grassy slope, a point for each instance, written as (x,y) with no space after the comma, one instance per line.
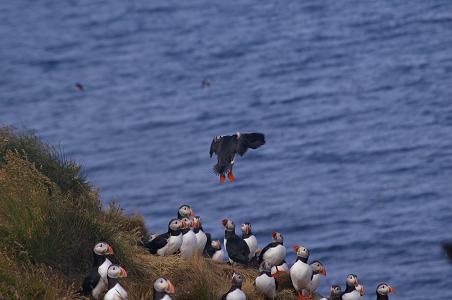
(50,218)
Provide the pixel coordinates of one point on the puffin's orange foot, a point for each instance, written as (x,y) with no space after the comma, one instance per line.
(231,176)
(222,178)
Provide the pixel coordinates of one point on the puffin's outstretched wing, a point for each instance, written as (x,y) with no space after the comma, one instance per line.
(214,145)
(249,140)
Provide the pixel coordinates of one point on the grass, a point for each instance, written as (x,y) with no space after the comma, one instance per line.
(51,217)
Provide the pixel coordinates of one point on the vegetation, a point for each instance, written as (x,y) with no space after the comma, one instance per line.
(50,219)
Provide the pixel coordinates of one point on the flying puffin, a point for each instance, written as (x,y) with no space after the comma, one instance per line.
(235,292)
(249,239)
(218,253)
(167,243)
(115,290)
(162,287)
(201,237)
(275,252)
(383,290)
(335,293)
(185,211)
(301,273)
(95,281)
(353,291)
(227,146)
(265,283)
(188,247)
(236,247)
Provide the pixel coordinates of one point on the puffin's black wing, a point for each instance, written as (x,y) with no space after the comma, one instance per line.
(261,255)
(238,250)
(159,242)
(208,249)
(90,281)
(249,140)
(214,145)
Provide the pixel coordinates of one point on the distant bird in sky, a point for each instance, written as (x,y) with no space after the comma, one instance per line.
(227,146)
(79,87)
(205,83)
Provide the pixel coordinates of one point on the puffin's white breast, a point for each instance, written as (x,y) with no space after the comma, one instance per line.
(300,274)
(237,294)
(188,247)
(218,255)
(275,255)
(251,241)
(167,297)
(201,240)
(266,285)
(174,244)
(116,293)
(355,295)
(315,282)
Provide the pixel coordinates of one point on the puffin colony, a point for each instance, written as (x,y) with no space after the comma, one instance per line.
(186,237)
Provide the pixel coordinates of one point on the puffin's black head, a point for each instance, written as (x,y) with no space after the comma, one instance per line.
(301,251)
(335,290)
(174,224)
(115,271)
(228,224)
(385,289)
(246,228)
(318,268)
(185,211)
(352,280)
(103,248)
(216,245)
(277,237)
(237,279)
(164,285)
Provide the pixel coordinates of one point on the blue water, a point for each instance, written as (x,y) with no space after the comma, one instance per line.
(353,96)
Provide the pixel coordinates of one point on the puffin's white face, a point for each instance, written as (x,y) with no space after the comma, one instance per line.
(115,271)
(277,237)
(197,223)
(318,267)
(152,237)
(103,248)
(186,211)
(186,223)
(384,289)
(228,224)
(175,224)
(352,280)
(246,228)
(237,278)
(335,290)
(216,245)
(301,251)
(164,285)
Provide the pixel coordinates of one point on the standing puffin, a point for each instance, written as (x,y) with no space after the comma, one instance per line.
(249,239)
(335,293)
(236,247)
(275,252)
(162,287)
(227,146)
(167,243)
(282,268)
(185,211)
(235,292)
(115,290)
(318,270)
(201,237)
(188,247)
(353,291)
(265,283)
(301,273)
(218,253)
(95,281)
(383,290)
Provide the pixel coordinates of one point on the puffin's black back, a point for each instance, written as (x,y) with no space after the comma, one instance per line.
(93,277)
(208,251)
(237,248)
(159,242)
(157,295)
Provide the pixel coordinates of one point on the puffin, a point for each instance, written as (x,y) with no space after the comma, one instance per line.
(188,247)
(167,243)
(162,288)
(227,146)
(249,239)
(236,247)
(383,290)
(301,273)
(235,292)
(115,290)
(275,252)
(218,254)
(201,237)
(318,270)
(95,281)
(335,293)
(265,283)
(353,291)
(185,211)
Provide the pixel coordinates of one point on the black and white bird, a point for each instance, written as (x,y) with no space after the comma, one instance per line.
(353,290)
(95,282)
(249,238)
(383,291)
(185,211)
(265,283)
(167,243)
(115,289)
(318,270)
(188,247)
(227,146)
(236,247)
(275,252)
(162,289)
(235,292)
(335,293)
(201,237)
(301,273)
(218,253)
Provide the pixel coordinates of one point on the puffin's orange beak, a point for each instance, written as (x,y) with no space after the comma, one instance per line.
(274,234)
(122,272)
(110,250)
(192,214)
(363,291)
(391,289)
(224,222)
(323,272)
(295,248)
(170,289)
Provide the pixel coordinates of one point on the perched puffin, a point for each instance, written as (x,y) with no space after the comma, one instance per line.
(383,290)
(201,237)
(353,291)
(265,283)
(301,273)
(185,211)
(95,281)
(335,293)
(167,243)
(235,292)
(249,239)
(162,287)
(115,290)
(218,254)
(275,252)
(188,247)
(318,270)
(236,247)
(227,146)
